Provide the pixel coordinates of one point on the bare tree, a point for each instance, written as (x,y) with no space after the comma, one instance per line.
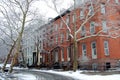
(17,14)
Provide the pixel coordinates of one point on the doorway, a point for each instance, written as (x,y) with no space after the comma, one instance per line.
(108,65)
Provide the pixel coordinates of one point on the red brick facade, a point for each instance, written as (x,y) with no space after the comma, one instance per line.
(98,46)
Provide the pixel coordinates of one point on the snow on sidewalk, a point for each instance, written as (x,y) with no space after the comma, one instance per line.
(79,76)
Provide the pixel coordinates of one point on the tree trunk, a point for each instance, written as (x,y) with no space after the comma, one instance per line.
(18,45)
(24,63)
(8,56)
(75,64)
(6,60)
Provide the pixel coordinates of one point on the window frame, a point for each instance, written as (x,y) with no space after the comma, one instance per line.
(56,39)
(62,54)
(62,37)
(61,24)
(84,50)
(81,14)
(117,1)
(103,9)
(67,20)
(104,26)
(92,28)
(91,10)
(106,47)
(67,35)
(83,31)
(68,53)
(94,50)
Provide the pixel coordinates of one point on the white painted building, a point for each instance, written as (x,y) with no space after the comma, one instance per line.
(41,34)
(33,37)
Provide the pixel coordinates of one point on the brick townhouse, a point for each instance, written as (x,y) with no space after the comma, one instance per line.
(98,40)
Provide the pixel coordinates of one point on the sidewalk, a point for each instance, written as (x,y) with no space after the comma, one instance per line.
(100,73)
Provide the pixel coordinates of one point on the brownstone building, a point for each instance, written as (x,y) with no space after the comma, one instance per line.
(98,39)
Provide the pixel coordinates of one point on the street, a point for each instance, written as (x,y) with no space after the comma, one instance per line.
(35,75)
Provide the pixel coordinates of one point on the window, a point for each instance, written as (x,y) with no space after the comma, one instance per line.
(56,56)
(67,20)
(81,14)
(92,27)
(103,8)
(106,49)
(62,54)
(94,52)
(91,11)
(56,27)
(117,1)
(68,53)
(56,39)
(84,50)
(74,17)
(77,2)
(104,26)
(67,34)
(61,24)
(62,38)
(83,31)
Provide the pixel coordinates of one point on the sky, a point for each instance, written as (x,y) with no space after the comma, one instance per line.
(45,8)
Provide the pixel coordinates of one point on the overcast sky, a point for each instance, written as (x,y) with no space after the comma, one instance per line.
(50,12)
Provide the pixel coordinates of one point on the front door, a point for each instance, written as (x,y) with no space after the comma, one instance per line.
(108,65)
(34,58)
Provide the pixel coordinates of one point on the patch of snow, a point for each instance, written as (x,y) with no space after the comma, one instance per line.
(8,65)
(20,68)
(1,78)
(25,76)
(79,76)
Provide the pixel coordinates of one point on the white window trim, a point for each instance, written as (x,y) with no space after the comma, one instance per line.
(117,1)
(56,39)
(68,58)
(83,31)
(106,48)
(74,18)
(103,10)
(62,54)
(92,28)
(62,38)
(84,52)
(56,57)
(67,34)
(61,24)
(91,11)
(81,14)
(56,27)
(104,26)
(67,20)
